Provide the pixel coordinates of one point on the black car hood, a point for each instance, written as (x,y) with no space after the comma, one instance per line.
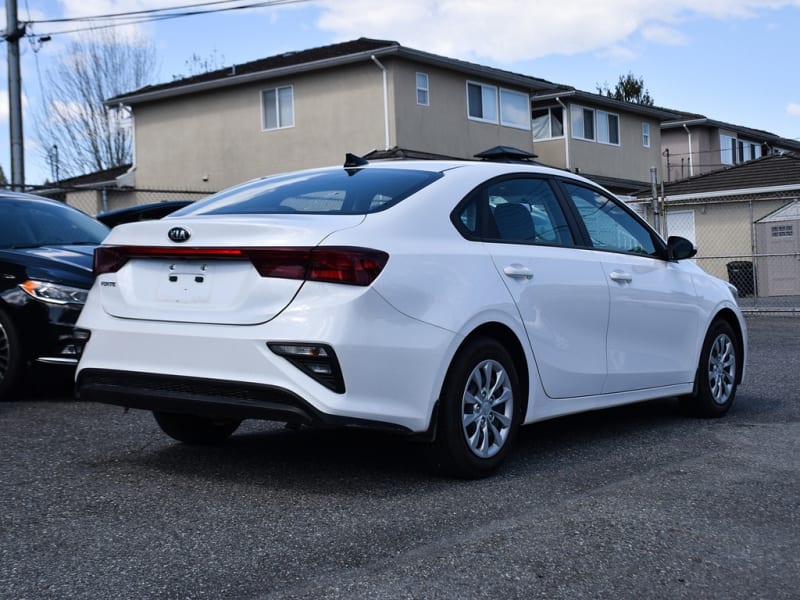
(70,264)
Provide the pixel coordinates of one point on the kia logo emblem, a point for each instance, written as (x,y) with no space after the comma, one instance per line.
(179,234)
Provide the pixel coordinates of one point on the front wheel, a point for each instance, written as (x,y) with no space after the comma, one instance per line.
(11,362)
(193,429)
(480,411)
(716,384)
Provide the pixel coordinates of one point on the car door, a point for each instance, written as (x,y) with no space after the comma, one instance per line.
(654,316)
(561,292)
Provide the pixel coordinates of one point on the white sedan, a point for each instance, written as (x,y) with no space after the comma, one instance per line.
(450,300)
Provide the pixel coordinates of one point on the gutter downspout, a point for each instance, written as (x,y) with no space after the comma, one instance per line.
(567,133)
(691,167)
(385,102)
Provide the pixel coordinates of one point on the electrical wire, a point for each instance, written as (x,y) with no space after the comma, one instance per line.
(95,22)
(156,14)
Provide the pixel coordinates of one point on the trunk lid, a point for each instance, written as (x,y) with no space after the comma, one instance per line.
(208,276)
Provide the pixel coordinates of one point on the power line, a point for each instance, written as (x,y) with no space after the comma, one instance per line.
(159,14)
(129,13)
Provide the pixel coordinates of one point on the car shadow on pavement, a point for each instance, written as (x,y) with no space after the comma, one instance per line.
(271,454)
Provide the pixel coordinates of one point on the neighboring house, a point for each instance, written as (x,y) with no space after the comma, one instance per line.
(109,189)
(94,192)
(612,142)
(375,97)
(745,221)
(694,145)
(309,108)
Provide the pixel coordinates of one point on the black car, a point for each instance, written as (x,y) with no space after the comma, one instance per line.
(141,212)
(46,250)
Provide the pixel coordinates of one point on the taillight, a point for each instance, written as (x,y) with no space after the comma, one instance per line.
(335,264)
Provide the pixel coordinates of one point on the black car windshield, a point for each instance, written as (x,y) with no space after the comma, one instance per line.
(33,223)
(343,192)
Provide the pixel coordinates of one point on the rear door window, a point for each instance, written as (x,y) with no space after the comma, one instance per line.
(518,209)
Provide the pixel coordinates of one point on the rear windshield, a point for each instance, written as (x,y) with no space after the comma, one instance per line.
(343,192)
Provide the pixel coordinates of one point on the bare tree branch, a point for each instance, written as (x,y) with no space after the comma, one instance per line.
(91,136)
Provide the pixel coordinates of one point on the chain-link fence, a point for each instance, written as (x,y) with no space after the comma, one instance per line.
(754,243)
(94,201)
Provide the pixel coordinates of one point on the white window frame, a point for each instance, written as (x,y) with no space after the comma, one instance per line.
(507,110)
(782,230)
(549,110)
(577,121)
(645,134)
(423,89)
(488,92)
(728,149)
(281,121)
(602,116)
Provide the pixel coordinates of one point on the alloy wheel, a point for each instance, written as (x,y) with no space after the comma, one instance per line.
(722,369)
(487,409)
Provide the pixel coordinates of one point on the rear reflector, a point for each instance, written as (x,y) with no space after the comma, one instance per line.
(335,264)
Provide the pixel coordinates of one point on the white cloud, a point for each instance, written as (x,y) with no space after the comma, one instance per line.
(660,34)
(509,30)
(793,109)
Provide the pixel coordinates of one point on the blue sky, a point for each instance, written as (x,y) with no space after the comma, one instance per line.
(731,60)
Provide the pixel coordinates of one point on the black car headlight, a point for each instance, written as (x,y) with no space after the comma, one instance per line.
(54,293)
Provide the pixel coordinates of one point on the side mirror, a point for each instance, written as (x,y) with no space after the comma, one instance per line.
(679,248)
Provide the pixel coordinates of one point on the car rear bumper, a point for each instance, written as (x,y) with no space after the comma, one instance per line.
(210,397)
(392,365)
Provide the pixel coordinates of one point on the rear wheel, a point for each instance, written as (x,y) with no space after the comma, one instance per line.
(716,374)
(10,355)
(193,429)
(480,411)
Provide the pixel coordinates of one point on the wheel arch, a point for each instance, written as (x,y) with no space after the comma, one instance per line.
(506,337)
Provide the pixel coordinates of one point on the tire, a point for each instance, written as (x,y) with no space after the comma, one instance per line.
(480,411)
(715,387)
(10,356)
(193,429)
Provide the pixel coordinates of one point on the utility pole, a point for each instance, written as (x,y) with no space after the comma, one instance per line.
(14,32)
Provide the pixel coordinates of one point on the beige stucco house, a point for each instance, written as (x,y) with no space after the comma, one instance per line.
(308,108)
(613,142)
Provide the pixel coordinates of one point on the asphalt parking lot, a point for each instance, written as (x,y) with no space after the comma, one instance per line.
(636,502)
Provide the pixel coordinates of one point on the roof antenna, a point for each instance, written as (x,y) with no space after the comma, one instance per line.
(351,161)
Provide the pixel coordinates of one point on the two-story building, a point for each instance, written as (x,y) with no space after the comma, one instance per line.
(612,142)
(694,144)
(308,108)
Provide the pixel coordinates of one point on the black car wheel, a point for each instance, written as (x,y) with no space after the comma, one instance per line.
(10,355)
(480,411)
(715,388)
(193,429)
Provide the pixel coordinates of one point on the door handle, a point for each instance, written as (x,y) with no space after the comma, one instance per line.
(518,271)
(621,276)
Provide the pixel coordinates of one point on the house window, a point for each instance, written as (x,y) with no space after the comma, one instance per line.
(727,149)
(423,98)
(548,123)
(782,231)
(645,134)
(277,108)
(582,121)
(514,109)
(482,102)
(607,128)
